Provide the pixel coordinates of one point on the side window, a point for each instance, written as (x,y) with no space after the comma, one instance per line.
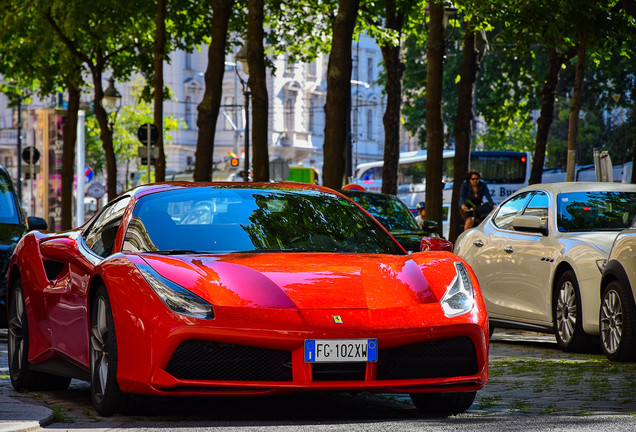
(100,237)
(538,206)
(510,209)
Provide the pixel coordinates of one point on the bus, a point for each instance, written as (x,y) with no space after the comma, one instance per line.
(504,172)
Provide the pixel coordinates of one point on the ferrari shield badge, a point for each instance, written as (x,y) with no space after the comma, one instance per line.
(337,319)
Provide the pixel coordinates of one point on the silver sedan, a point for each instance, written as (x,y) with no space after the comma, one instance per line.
(539,256)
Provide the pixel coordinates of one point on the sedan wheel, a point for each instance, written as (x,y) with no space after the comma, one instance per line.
(107,396)
(442,404)
(20,370)
(616,323)
(566,307)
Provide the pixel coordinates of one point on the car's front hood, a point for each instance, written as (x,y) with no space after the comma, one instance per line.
(602,241)
(310,280)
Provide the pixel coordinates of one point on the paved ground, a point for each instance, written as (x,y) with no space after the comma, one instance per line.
(529,376)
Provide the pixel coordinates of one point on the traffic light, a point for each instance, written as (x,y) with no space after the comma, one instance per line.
(233,161)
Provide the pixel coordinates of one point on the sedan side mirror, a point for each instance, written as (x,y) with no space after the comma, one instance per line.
(36,223)
(529,224)
(429,225)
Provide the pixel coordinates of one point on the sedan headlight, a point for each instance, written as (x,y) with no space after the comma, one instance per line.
(459,297)
(176,297)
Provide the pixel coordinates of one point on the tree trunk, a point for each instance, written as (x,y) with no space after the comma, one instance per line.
(434,121)
(258,87)
(462,129)
(546,117)
(337,112)
(68,160)
(160,44)
(394,71)
(211,103)
(575,108)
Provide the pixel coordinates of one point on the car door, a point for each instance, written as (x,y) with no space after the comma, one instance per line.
(486,254)
(68,294)
(522,290)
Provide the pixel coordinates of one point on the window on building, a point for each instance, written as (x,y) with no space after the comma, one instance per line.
(369,124)
(188,60)
(289,114)
(312,115)
(370,76)
(188,112)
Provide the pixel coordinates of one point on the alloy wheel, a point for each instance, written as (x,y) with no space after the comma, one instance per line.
(99,346)
(566,312)
(611,321)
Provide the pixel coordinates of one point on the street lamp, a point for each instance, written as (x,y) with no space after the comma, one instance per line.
(111,102)
(241,58)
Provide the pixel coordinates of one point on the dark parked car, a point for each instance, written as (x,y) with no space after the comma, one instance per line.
(13,225)
(396,217)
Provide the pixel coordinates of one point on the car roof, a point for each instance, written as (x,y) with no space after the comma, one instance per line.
(562,187)
(142,190)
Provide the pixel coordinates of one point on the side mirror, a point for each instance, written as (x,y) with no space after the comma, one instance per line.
(529,224)
(429,225)
(36,223)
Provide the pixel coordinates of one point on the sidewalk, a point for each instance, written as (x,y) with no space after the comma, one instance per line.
(16,414)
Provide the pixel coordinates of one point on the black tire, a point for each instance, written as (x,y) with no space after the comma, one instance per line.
(616,323)
(491,329)
(20,370)
(442,404)
(566,314)
(108,398)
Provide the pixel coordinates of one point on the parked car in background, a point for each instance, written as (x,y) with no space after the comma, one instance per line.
(539,256)
(13,225)
(286,287)
(617,321)
(396,217)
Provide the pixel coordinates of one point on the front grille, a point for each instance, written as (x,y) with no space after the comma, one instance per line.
(338,371)
(433,359)
(206,360)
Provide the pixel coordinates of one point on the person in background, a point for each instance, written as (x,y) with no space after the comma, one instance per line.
(420,213)
(473,194)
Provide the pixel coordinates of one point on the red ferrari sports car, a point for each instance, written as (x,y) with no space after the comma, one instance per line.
(242,289)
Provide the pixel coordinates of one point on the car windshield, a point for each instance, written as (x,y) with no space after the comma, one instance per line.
(8,207)
(595,211)
(388,210)
(238,219)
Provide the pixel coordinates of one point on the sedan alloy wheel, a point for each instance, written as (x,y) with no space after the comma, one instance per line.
(566,307)
(616,323)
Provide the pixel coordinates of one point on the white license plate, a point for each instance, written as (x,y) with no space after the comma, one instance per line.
(341,350)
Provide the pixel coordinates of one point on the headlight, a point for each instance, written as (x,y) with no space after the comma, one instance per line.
(176,297)
(459,297)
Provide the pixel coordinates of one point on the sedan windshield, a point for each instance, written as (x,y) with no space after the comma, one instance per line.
(595,211)
(238,219)
(387,209)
